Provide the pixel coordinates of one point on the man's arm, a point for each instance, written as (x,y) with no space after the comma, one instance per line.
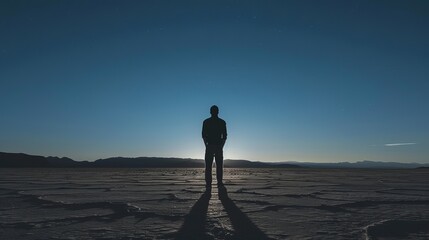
(224,134)
(204,133)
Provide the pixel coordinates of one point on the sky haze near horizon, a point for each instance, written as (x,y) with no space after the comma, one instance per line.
(319,81)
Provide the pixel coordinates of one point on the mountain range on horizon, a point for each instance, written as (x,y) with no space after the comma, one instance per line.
(22,160)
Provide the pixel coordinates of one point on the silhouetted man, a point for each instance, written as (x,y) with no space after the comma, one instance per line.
(214,136)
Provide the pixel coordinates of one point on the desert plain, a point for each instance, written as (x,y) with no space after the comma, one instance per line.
(172,203)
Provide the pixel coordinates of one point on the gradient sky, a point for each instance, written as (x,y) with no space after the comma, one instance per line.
(320,81)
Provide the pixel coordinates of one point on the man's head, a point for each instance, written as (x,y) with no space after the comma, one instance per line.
(214,110)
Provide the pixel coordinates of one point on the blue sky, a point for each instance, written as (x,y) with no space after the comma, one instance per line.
(320,81)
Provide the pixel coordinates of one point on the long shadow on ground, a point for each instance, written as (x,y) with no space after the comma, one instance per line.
(194,225)
(244,228)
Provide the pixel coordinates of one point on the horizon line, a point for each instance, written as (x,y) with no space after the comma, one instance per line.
(190,158)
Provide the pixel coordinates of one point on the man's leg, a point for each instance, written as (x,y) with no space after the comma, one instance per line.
(219,165)
(209,163)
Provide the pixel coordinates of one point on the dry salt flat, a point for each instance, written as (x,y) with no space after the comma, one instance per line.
(173,204)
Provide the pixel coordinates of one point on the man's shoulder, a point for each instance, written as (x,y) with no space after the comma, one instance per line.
(214,120)
(222,121)
(207,121)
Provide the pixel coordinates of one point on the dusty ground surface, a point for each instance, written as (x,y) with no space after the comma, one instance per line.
(173,204)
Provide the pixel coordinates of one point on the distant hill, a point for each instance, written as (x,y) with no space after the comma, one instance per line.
(21,160)
(361,164)
(17,160)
